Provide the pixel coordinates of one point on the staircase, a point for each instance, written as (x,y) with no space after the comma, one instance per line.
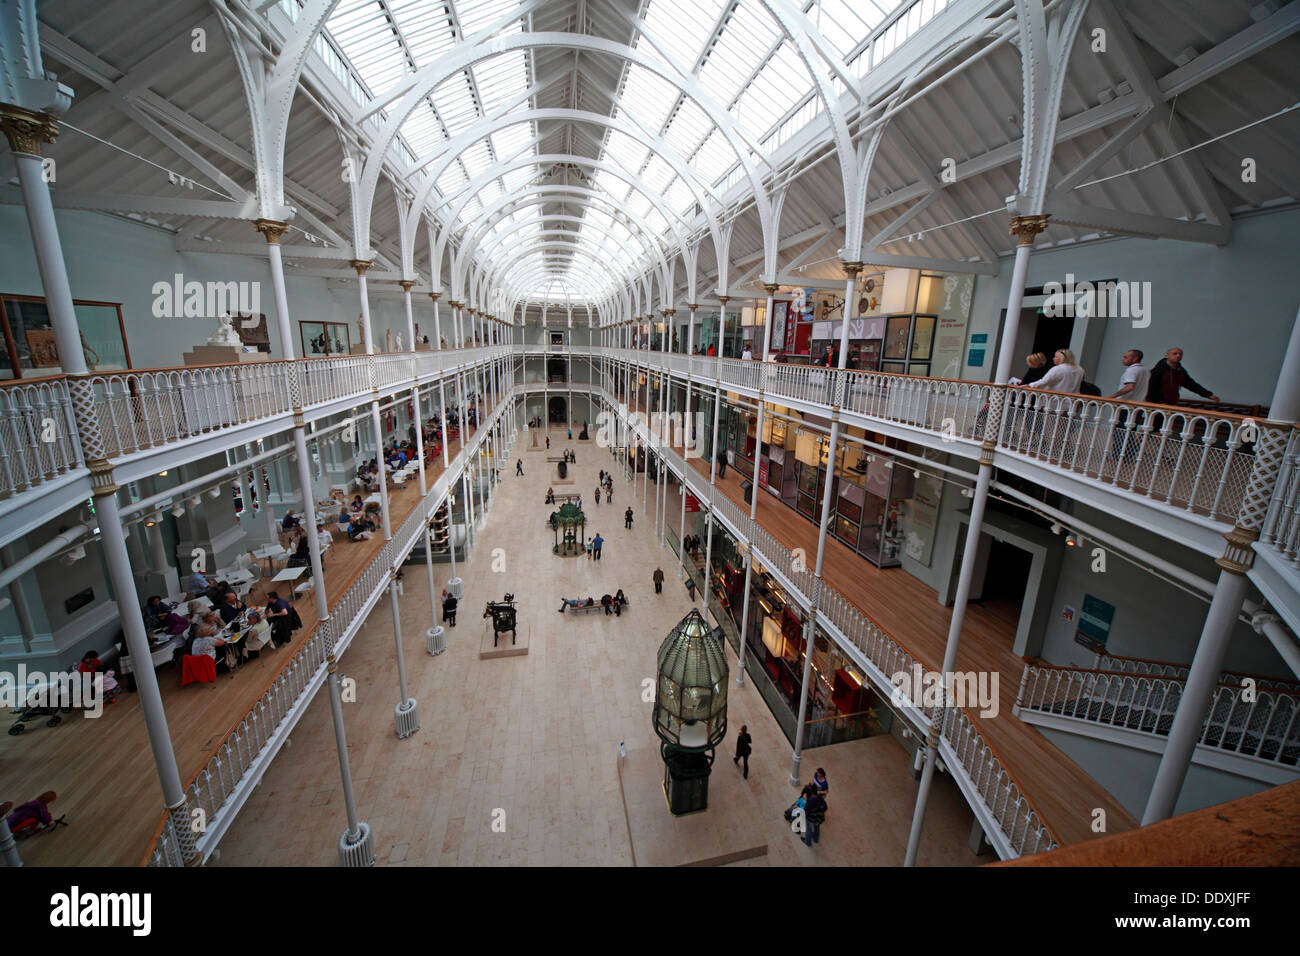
(1252,730)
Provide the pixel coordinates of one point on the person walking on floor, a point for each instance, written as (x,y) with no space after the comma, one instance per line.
(598,496)
(449,603)
(519,468)
(548,442)
(627,519)
(814,812)
(743,748)
(659,580)
(690,585)
(596,544)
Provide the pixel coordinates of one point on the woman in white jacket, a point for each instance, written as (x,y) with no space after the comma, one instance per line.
(1063,376)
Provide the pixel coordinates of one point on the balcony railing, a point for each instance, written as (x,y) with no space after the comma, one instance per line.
(1281,531)
(38,435)
(137,410)
(1247,722)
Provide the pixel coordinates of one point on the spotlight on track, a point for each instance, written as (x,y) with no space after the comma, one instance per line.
(1056,527)
(179,509)
(214,492)
(1071,541)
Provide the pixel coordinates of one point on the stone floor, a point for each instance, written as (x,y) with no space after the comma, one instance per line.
(517,761)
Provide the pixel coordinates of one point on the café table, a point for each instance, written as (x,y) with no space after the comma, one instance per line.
(162,648)
(272,553)
(289,574)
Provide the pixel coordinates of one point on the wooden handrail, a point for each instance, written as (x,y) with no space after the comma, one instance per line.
(1166,677)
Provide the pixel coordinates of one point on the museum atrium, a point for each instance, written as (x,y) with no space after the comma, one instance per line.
(871,327)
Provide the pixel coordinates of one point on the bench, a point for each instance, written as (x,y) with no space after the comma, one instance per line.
(597,606)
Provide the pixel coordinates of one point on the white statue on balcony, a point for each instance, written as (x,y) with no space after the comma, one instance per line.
(225,334)
(399,341)
(388,340)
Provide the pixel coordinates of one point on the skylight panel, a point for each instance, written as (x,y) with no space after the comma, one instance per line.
(422,131)
(425,27)
(714,157)
(681,27)
(501,78)
(455,103)
(688,128)
(510,140)
(648,97)
(476,158)
(846,23)
(747,37)
(517,179)
(658,174)
(616,187)
(679,197)
(480,13)
(622,150)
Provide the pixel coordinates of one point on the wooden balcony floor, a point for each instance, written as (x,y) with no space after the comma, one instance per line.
(103,771)
(909,610)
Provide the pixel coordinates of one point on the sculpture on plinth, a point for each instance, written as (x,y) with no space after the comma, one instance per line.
(225,334)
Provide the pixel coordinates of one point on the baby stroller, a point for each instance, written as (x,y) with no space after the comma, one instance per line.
(32,712)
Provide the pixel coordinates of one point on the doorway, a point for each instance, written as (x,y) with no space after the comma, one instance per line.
(1006,581)
(557,410)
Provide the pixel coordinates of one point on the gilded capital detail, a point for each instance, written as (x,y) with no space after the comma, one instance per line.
(1238,555)
(435,296)
(851,269)
(406,284)
(723,299)
(271,229)
(770,287)
(26,130)
(1027,228)
(361,265)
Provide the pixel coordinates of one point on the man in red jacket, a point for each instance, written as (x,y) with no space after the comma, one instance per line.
(1168,378)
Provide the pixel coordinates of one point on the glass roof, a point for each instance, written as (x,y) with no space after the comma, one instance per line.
(735,49)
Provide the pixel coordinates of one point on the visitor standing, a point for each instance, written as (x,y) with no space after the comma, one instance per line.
(821,783)
(1168,378)
(1064,376)
(596,544)
(548,442)
(597,494)
(449,603)
(1133,383)
(743,748)
(627,519)
(658,577)
(814,812)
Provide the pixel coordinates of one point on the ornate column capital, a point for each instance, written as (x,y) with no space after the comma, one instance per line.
(435,296)
(27,129)
(1027,228)
(1238,555)
(271,229)
(851,269)
(361,265)
(770,287)
(406,284)
(692,306)
(724,299)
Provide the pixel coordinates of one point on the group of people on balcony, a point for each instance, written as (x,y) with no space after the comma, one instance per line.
(1162,384)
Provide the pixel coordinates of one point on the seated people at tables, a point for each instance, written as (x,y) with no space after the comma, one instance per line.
(230,608)
(207,626)
(200,585)
(277,612)
(155,612)
(324,539)
(301,556)
(206,645)
(259,632)
(290,521)
(360,527)
(357,504)
(344,516)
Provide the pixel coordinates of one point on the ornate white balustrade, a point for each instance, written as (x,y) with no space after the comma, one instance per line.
(38,436)
(1192,461)
(1246,722)
(139,410)
(1281,531)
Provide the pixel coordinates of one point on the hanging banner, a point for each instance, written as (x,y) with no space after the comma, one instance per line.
(692,503)
(950,336)
(779,312)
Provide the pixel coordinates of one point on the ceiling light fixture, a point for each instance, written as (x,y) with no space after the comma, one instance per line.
(1071,540)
